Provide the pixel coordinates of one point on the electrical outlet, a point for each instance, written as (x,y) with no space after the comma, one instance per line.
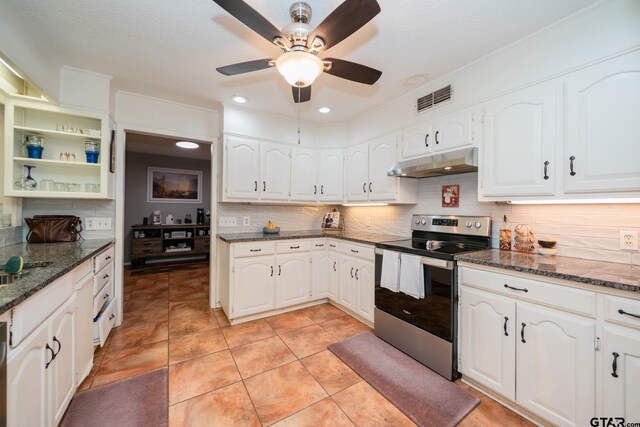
(246,221)
(90,224)
(227,221)
(629,240)
(103,223)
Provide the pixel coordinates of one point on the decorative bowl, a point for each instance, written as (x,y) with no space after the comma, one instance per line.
(547,243)
(271,230)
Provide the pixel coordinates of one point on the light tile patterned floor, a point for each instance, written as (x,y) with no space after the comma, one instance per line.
(274,371)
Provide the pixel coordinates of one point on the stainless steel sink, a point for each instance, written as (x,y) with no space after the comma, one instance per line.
(7,279)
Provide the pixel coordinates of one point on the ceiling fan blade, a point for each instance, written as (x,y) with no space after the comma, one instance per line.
(301,94)
(245,67)
(252,19)
(345,20)
(352,71)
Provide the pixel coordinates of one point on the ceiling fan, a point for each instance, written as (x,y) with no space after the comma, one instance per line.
(299,63)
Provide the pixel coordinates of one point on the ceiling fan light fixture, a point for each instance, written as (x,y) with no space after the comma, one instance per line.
(299,68)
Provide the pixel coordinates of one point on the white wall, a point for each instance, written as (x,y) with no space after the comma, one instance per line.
(84,89)
(608,28)
(23,48)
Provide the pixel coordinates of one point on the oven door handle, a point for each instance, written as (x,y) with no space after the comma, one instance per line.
(432,262)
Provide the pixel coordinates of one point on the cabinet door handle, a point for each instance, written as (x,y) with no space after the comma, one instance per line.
(614,365)
(315,189)
(506,319)
(59,347)
(279,270)
(364,187)
(255,250)
(621,311)
(571,159)
(357,274)
(53,356)
(256,186)
(106,276)
(522,333)
(112,316)
(272,271)
(105,296)
(107,258)
(351,272)
(294,247)
(334,266)
(370,187)
(322,189)
(546,166)
(264,185)
(332,246)
(437,133)
(354,251)
(516,289)
(426,140)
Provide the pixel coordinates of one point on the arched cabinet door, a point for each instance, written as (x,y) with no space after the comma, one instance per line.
(241,168)
(254,281)
(602,146)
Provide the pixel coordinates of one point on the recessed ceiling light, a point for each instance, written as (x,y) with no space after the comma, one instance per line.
(324,110)
(239,99)
(448,168)
(187,144)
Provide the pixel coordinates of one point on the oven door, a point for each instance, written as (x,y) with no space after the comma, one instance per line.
(435,312)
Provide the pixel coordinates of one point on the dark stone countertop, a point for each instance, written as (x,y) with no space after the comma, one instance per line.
(625,277)
(367,238)
(64,257)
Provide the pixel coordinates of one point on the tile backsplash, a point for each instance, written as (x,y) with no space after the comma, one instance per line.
(287,217)
(584,231)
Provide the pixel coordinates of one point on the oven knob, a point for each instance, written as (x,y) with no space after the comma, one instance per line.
(424,222)
(478,225)
(468,224)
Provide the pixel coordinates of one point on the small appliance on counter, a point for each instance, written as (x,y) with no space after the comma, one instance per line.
(170,220)
(156,218)
(200,216)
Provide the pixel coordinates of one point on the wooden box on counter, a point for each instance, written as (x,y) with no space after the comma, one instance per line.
(165,241)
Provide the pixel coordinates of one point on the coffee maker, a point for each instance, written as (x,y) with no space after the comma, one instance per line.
(156,218)
(200,216)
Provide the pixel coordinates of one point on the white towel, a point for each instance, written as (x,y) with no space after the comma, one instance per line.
(411,276)
(390,270)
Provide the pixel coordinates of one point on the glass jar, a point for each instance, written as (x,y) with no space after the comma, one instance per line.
(524,238)
(505,236)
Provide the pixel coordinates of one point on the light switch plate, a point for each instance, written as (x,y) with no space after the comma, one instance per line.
(227,221)
(246,221)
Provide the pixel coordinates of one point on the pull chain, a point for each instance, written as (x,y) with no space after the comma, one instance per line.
(299,114)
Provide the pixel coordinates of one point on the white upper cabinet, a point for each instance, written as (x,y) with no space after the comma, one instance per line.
(358,173)
(241,169)
(331,176)
(275,172)
(452,131)
(417,141)
(519,150)
(602,152)
(304,185)
(382,156)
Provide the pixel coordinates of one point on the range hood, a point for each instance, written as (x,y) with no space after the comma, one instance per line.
(450,163)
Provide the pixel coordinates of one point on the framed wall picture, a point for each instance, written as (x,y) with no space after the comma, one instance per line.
(451,196)
(174,185)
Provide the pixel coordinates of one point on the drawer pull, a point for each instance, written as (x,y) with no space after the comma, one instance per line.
(59,347)
(112,316)
(108,258)
(506,319)
(621,311)
(332,246)
(53,356)
(354,251)
(522,333)
(294,247)
(516,289)
(106,276)
(255,250)
(105,296)
(320,246)
(614,365)
(146,250)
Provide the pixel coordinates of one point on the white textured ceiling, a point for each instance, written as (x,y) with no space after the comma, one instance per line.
(171,48)
(165,146)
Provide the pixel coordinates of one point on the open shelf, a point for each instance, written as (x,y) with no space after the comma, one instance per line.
(67,164)
(67,136)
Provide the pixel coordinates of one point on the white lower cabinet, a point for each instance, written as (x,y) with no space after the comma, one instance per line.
(254,285)
(346,291)
(293,280)
(321,267)
(334,275)
(621,372)
(487,340)
(41,372)
(555,365)
(365,287)
(84,328)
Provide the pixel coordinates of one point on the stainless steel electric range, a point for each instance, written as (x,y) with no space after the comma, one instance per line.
(424,325)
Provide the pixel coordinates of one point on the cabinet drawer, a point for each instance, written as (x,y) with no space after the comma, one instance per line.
(332,245)
(102,259)
(630,315)
(101,278)
(254,249)
(103,325)
(319,245)
(102,297)
(202,245)
(139,245)
(360,251)
(293,246)
(562,297)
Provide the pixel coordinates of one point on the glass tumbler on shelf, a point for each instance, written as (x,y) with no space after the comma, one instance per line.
(30,184)
(92,150)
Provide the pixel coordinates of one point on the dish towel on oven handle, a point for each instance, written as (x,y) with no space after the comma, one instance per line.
(411,276)
(389,278)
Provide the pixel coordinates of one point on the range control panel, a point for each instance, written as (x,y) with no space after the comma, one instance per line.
(469,225)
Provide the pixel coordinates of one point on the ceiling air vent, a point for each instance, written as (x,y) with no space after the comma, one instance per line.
(434,98)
